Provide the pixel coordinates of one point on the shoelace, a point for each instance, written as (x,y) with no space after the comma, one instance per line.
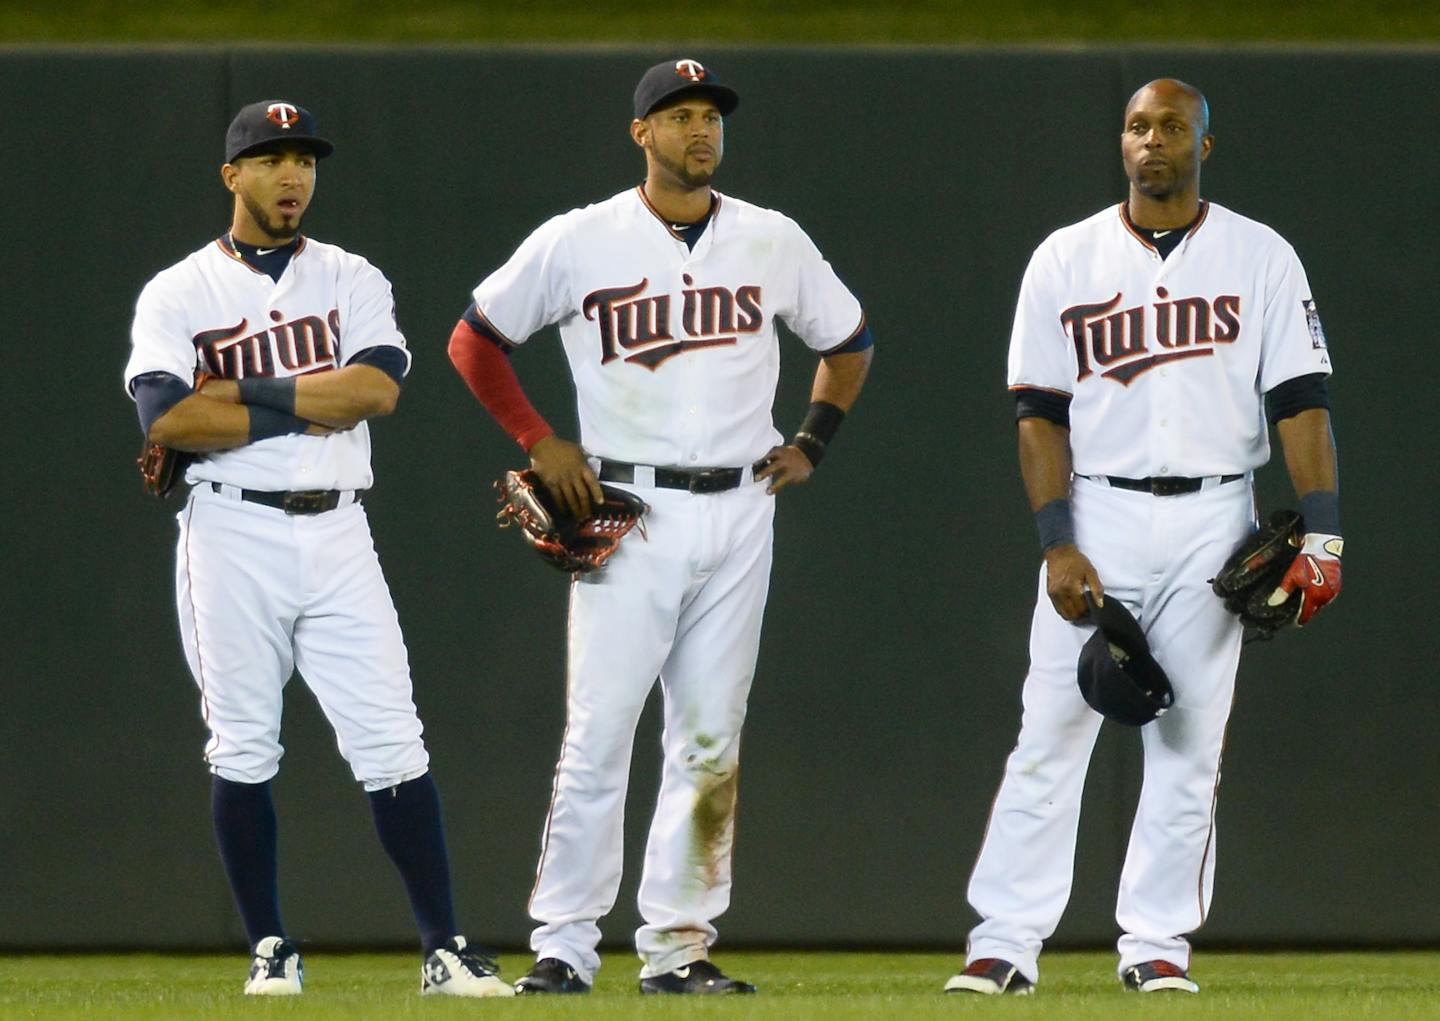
(478,961)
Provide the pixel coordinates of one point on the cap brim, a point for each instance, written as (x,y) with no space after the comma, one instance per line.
(319,146)
(725,98)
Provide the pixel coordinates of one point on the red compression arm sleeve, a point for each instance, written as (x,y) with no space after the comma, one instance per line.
(487,372)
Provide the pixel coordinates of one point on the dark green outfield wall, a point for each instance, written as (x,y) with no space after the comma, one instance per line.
(889,677)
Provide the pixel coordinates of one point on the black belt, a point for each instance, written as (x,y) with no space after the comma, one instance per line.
(295,501)
(696,480)
(1160,485)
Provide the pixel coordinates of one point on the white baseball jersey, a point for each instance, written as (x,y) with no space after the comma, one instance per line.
(215,312)
(1166,360)
(673,351)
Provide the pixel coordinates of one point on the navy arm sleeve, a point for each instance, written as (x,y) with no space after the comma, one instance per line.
(389,360)
(1046,404)
(1287,399)
(156,393)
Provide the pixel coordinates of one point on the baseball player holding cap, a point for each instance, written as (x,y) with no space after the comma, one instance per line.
(666,297)
(264,353)
(1150,343)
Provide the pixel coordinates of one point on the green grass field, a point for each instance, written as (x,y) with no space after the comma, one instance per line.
(793,987)
(633,22)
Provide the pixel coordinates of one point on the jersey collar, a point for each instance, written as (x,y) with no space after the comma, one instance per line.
(227,245)
(1140,237)
(645,199)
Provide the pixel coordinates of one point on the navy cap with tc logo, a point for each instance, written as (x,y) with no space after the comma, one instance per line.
(1119,677)
(268,122)
(671,78)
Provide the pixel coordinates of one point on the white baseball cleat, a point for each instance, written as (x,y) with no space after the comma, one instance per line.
(276,969)
(458,969)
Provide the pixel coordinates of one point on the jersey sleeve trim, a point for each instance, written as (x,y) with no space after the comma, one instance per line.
(1043,389)
(844,343)
(490,331)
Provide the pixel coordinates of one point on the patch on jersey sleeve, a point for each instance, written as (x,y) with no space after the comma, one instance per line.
(1312,320)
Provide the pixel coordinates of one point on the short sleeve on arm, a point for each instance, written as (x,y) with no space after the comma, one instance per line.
(370,322)
(159,336)
(826,315)
(1041,352)
(532,289)
(1293,343)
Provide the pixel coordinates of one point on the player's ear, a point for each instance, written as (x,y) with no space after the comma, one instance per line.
(229,174)
(639,132)
(1206,142)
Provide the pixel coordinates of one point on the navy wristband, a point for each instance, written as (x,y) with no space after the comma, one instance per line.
(1321,511)
(1056,526)
(268,392)
(267,422)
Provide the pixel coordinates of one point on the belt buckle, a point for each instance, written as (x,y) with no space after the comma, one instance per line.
(712,480)
(307,501)
(1160,486)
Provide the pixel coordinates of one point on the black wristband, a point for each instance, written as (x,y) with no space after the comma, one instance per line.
(267,422)
(811,447)
(1056,526)
(822,421)
(269,393)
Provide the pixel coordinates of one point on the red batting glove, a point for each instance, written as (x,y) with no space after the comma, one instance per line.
(1315,573)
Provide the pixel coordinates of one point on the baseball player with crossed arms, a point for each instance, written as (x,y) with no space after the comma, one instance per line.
(666,296)
(1150,342)
(275,567)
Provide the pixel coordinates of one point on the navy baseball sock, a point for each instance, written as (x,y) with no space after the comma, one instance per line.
(407,817)
(244,818)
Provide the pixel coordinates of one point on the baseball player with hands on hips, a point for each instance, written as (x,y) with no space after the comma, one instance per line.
(666,297)
(1150,344)
(264,353)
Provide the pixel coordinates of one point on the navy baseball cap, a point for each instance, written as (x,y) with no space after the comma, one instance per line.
(269,121)
(1118,676)
(668,79)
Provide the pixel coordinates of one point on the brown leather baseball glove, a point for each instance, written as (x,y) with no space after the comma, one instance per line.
(576,546)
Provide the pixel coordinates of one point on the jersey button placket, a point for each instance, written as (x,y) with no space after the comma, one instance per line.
(689,400)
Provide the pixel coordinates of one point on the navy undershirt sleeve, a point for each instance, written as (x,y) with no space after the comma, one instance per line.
(477,323)
(859,342)
(1293,396)
(156,393)
(1044,404)
(385,357)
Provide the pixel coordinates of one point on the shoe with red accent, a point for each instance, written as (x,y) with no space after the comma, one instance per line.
(1155,976)
(990,976)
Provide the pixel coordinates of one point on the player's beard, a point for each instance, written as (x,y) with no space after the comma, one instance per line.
(682,173)
(269,227)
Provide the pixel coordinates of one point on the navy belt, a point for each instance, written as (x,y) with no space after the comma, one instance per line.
(1163,485)
(295,501)
(695,480)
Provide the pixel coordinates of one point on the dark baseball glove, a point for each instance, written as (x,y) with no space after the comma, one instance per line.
(1256,568)
(160,466)
(577,546)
